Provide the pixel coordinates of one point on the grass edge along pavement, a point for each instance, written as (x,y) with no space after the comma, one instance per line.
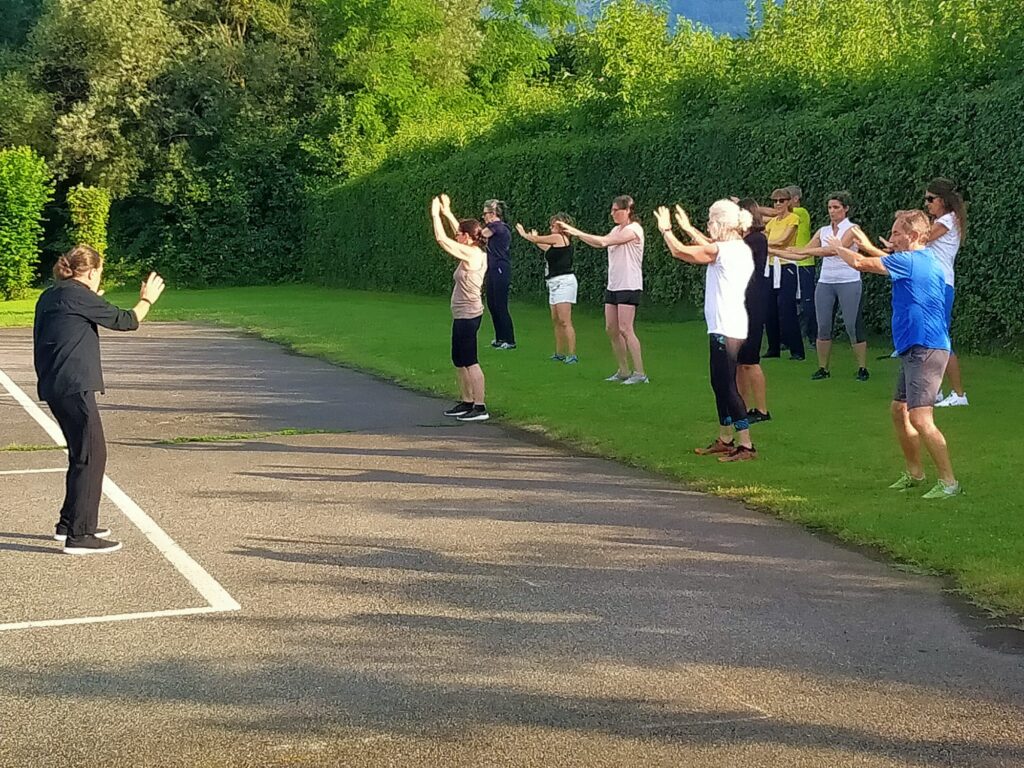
(825,458)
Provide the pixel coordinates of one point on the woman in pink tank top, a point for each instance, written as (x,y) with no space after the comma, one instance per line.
(467,307)
(625,244)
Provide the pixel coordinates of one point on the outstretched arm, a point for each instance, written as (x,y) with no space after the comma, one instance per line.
(684,224)
(864,243)
(692,254)
(450,246)
(861,263)
(542,241)
(619,237)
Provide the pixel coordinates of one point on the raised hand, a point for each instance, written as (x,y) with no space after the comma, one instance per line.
(435,206)
(520,230)
(682,219)
(663,218)
(446,202)
(151,288)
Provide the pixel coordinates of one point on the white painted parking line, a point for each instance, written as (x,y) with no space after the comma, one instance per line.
(32,471)
(215,595)
(111,617)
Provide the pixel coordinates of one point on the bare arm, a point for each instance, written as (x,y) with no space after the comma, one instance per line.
(452,247)
(864,244)
(542,241)
(446,211)
(692,254)
(872,264)
(691,231)
(148,294)
(937,231)
(623,235)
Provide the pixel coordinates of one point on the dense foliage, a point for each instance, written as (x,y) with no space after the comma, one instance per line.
(89,210)
(26,185)
(215,127)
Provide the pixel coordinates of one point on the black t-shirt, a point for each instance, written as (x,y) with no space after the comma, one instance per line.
(66,344)
(559,259)
(498,244)
(759,248)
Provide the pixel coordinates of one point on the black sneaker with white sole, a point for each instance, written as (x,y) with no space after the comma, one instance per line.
(90,545)
(62,533)
(477,413)
(459,408)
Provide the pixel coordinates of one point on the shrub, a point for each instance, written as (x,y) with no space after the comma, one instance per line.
(26,186)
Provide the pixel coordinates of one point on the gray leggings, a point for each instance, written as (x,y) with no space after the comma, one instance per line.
(848,296)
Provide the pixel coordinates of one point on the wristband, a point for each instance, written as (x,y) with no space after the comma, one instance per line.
(147,301)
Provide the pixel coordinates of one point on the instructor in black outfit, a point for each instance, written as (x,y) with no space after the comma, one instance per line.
(499,273)
(67,362)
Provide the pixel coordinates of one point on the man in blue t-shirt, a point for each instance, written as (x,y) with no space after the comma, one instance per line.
(921,337)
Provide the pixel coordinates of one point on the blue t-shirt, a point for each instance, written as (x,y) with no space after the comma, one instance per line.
(498,244)
(918,300)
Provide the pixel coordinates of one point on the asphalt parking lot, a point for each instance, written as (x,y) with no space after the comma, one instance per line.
(408,591)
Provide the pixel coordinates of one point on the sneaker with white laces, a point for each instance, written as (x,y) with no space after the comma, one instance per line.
(90,545)
(618,377)
(62,533)
(953,400)
(637,378)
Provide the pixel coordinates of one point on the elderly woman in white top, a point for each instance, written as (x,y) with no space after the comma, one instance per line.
(838,283)
(625,244)
(730,264)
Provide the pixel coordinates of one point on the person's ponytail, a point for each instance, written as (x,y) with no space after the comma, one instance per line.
(76,262)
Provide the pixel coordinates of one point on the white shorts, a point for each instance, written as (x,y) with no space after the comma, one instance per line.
(562,289)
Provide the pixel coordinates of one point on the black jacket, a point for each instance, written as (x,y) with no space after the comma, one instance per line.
(66,342)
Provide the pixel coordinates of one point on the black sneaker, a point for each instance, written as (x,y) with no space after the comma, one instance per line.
(862,374)
(820,374)
(62,533)
(476,413)
(798,358)
(90,545)
(755,416)
(772,353)
(459,408)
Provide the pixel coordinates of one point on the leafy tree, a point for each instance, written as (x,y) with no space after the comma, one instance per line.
(26,186)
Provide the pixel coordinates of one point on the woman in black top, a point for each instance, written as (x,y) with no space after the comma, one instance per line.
(750,376)
(562,285)
(67,362)
(498,279)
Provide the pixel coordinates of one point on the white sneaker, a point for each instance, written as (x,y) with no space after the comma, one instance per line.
(952,400)
(637,378)
(618,377)
(939,397)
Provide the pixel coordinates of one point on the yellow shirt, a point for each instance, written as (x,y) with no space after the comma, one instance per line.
(803,234)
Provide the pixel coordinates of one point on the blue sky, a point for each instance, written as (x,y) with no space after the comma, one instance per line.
(726,16)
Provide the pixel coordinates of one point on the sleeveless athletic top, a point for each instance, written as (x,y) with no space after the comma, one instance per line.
(559,260)
(466,303)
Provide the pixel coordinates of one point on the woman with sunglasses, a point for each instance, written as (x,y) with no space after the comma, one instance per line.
(782,324)
(946,207)
(625,244)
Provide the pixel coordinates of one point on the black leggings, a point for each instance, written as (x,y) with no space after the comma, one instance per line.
(731,408)
(496,284)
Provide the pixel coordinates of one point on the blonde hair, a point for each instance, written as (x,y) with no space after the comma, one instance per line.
(727,221)
(914,222)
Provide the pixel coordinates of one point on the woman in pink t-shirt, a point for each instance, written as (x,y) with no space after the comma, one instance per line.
(625,244)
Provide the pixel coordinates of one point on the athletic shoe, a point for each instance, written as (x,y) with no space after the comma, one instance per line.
(459,408)
(62,533)
(906,481)
(798,358)
(571,360)
(862,374)
(506,345)
(820,374)
(619,377)
(755,416)
(939,397)
(943,491)
(637,378)
(894,354)
(476,413)
(558,358)
(772,353)
(953,400)
(716,447)
(90,545)
(495,343)
(740,453)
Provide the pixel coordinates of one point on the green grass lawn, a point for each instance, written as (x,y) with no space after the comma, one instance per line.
(825,459)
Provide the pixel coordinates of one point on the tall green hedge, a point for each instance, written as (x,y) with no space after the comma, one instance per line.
(26,186)
(90,210)
(375,233)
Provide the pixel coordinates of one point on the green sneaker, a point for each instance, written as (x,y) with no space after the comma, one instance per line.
(906,481)
(943,491)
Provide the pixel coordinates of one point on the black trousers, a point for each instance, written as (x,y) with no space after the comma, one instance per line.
(79,420)
(496,283)
(808,315)
(787,326)
(731,408)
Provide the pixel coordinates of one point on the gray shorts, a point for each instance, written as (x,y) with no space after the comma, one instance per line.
(921,372)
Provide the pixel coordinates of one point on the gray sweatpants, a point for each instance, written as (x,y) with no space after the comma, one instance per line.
(848,295)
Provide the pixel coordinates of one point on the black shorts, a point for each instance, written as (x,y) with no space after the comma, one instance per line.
(464,341)
(757,312)
(623,297)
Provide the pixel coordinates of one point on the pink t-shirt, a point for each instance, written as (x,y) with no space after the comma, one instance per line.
(625,261)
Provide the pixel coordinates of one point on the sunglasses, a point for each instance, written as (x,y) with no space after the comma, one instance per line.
(930,198)
(781,199)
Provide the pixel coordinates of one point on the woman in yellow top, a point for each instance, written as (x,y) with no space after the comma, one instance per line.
(782,325)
